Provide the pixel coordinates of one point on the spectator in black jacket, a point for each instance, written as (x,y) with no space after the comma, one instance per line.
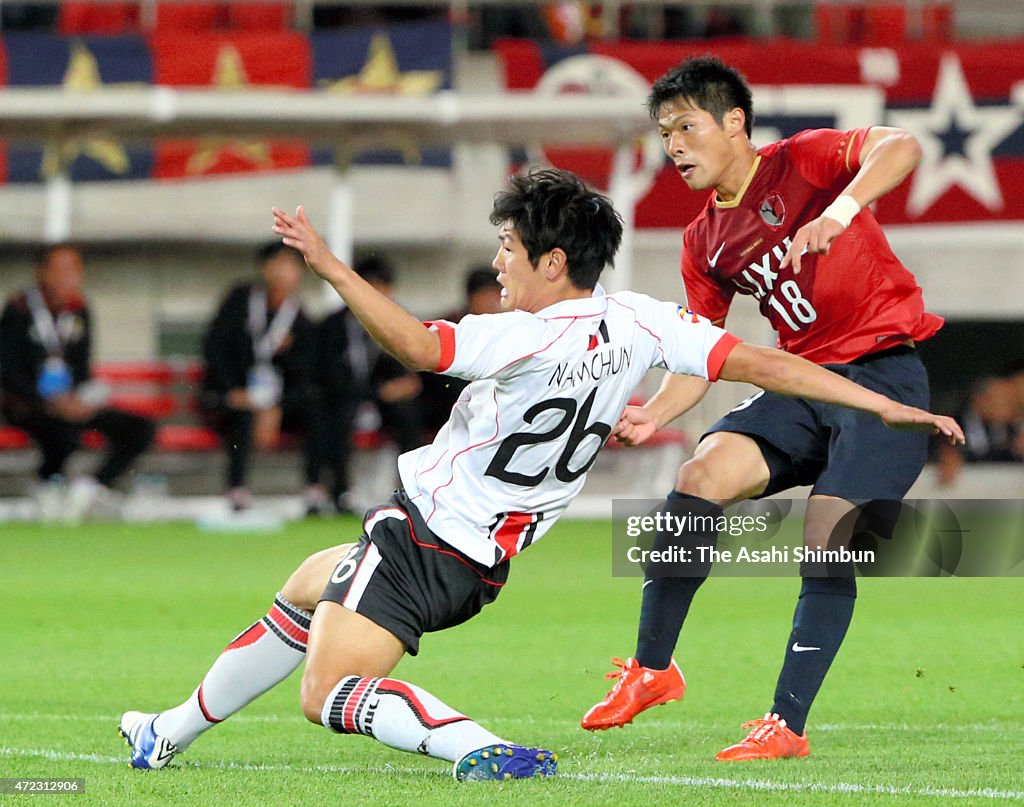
(440,392)
(258,352)
(45,341)
(351,370)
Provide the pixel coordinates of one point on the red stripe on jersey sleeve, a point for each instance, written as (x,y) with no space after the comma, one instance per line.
(857,138)
(447,334)
(720,352)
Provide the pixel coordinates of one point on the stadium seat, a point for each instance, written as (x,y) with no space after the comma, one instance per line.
(83,19)
(937,22)
(885,26)
(153,406)
(838,24)
(154,372)
(94,441)
(260,16)
(12,439)
(171,16)
(186,439)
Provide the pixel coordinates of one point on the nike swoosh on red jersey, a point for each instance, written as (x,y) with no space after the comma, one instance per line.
(713,259)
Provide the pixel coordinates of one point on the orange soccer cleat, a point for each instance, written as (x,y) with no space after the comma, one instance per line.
(638,688)
(769,738)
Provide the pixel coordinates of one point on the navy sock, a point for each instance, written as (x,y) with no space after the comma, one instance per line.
(666,599)
(823,614)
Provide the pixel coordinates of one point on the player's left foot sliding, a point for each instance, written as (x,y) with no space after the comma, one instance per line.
(149,750)
(501,761)
(769,738)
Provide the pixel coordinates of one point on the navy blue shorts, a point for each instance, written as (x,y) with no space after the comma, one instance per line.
(840,451)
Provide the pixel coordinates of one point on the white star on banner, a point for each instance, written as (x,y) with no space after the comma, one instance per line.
(953,117)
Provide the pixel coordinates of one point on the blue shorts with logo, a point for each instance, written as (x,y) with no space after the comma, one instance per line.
(840,451)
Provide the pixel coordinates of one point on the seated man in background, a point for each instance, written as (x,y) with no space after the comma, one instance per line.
(45,341)
(483,296)
(350,370)
(258,352)
(992,423)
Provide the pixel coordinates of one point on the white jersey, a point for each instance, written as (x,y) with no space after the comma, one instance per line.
(547,390)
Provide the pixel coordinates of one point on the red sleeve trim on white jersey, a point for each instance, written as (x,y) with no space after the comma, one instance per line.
(447,333)
(719,353)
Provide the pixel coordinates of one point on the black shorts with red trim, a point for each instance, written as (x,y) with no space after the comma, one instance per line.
(406,579)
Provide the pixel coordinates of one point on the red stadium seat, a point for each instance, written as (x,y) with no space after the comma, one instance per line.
(78,19)
(153,406)
(186,439)
(368,441)
(937,23)
(12,439)
(885,25)
(94,441)
(172,16)
(127,372)
(838,24)
(260,16)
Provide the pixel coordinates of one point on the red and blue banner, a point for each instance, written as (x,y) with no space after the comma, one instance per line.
(412,59)
(964,103)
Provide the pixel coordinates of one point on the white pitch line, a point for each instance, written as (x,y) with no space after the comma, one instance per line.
(713,782)
(533,721)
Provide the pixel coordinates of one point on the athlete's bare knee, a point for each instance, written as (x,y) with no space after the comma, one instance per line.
(726,468)
(695,479)
(306,584)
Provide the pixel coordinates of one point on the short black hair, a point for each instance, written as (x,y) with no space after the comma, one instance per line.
(552,208)
(707,83)
(480,278)
(1012,368)
(375,269)
(272,249)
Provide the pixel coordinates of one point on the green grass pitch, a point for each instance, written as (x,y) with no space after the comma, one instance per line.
(924,705)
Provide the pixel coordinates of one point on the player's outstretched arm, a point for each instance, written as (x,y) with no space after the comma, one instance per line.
(887,157)
(391,326)
(677,394)
(784,373)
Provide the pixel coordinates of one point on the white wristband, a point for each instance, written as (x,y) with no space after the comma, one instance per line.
(843,209)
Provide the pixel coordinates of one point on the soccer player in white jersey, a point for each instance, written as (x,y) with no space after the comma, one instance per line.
(550,379)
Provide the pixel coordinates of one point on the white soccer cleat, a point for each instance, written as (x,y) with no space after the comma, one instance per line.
(149,750)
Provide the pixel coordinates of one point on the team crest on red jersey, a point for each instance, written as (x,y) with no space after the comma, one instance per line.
(773,210)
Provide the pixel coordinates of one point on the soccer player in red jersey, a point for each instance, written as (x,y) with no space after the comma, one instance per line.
(787,225)
(550,378)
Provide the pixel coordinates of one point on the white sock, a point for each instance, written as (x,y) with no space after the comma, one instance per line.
(259,658)
(402,716)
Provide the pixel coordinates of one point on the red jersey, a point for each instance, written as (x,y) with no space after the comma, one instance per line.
(856,300)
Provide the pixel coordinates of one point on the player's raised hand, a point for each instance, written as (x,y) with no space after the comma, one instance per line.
(635,426)
(815,237)
(900,416)
(298,232)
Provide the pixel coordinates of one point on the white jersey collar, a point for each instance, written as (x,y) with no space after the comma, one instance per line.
(576,307)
